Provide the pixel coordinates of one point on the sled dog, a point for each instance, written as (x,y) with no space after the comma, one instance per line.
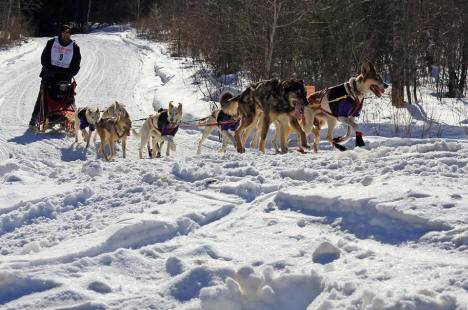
(114,110)
(226,125)
(160,127)
(281,100)
(111,129)
(341,103)
(84,118)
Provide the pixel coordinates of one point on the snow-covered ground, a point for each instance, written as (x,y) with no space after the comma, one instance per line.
(379,227)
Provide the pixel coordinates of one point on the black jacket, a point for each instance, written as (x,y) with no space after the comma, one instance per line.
(51,73)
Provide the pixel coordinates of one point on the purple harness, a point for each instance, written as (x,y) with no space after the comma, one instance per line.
(346,107)
(163,125)
(84,122)
(222,117)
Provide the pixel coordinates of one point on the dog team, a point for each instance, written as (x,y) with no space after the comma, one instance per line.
(284,103)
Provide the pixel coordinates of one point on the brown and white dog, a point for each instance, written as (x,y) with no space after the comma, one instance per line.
(278,100)
(225,123)
(160,127)
(85,120)
(111,129)
(341,103)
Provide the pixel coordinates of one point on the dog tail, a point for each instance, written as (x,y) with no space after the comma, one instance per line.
(202,122)
(137,134)
(229,103)
(70,117)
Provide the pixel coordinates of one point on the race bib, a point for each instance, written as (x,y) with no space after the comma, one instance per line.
(61,56)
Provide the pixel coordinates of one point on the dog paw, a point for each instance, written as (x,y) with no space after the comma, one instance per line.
(339,147)
(360,141)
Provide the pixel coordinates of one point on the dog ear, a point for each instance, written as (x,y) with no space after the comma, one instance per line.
(171,106)
(180,107)
(365,68)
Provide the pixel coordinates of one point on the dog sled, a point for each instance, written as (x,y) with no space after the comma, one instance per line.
(56,103)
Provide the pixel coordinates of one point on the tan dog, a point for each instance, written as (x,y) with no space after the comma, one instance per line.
(161,128)
(114,110)
(112,129)
(341,103)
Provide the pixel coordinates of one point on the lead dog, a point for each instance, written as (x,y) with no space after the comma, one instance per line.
(342,103)
(114,110)
(84,118)
(111,129)
(278,100)
(160,128)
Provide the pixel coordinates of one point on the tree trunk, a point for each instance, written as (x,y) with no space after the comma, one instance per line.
(452,83)
(397,58)
(271,37)
(87,16)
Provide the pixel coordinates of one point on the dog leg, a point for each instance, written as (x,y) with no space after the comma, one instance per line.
(258,127)
(359,139)
(331,123)
(302,137)
(77,128)
(232,138)
(350,122)
(124,145)
(246,124)
(144,140)
(102,149)
(265,126)
(226,138)
(206,132)
(88,138)
(276,137)
(111,146)
(316,133)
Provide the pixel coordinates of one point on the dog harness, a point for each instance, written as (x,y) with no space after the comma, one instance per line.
(163,125)
(225,121)
(342,99)
(83,121)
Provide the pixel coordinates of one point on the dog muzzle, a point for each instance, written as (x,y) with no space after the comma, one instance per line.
(377,90)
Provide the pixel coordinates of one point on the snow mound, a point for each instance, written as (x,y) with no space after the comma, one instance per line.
(365,217)
(174,266)
(92,168)
(249,291)
(13,286)
(247,189)
(325,253)
(99,287)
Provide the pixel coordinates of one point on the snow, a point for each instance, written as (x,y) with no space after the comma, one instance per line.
(379,227)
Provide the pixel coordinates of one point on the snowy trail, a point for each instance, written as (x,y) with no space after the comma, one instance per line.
(382,227)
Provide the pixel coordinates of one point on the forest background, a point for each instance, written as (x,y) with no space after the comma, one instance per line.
(413,43)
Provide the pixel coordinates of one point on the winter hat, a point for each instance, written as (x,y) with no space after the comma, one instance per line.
(64,28)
